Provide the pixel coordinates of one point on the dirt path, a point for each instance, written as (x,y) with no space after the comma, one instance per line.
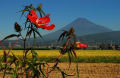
(91,70)
(88,70)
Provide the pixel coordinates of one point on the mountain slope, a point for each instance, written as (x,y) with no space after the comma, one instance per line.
(114,35)
(82,27)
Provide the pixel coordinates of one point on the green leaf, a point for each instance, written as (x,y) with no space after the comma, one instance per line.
(74,37)
(74,53)
(32,7)
(36,73)
(77,70)
(27,20)
(70,59)
(63,51)
(39,8)
(55,66)
(39,34)
(34,55)
(26,51)
(11,36)
(15,75)
(40,69)
(29,33)
(34,35)
(24,10)
(13,59)
(42,12)
(43,71)
(4,58)
(34,69)
(2,67)
(63,35)
(63,74)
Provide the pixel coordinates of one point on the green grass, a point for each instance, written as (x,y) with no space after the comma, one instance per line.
(96,59)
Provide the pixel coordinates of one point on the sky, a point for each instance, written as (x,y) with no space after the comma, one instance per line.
(63,12)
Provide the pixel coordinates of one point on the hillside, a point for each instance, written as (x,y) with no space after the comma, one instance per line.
(82,27)
(114,35)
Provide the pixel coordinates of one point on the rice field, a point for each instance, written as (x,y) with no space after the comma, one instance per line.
(83,55)
(88,53)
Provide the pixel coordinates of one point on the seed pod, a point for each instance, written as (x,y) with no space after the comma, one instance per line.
(71,31)
(17,27)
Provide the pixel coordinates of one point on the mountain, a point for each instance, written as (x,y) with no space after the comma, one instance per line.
(114,35)
(92,39)
(82,27)
(99,38)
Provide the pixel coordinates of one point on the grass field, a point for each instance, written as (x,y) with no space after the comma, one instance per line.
(83,55)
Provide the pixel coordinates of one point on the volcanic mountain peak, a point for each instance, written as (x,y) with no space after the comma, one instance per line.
(82,27)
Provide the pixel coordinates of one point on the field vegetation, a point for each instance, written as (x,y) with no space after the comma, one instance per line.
(31,63)
(111,56)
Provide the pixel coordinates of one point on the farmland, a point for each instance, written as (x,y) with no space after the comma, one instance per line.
(86,70)
(92,63)
(90,70)
(111,56)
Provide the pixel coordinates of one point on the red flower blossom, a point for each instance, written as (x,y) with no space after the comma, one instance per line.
(81,45)
(40,22)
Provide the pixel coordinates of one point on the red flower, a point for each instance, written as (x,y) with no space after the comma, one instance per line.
(81,45)
(40,22)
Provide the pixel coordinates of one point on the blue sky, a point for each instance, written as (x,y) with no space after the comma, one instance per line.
(102,12)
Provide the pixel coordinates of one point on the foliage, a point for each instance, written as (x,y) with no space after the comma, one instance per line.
(32,67)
